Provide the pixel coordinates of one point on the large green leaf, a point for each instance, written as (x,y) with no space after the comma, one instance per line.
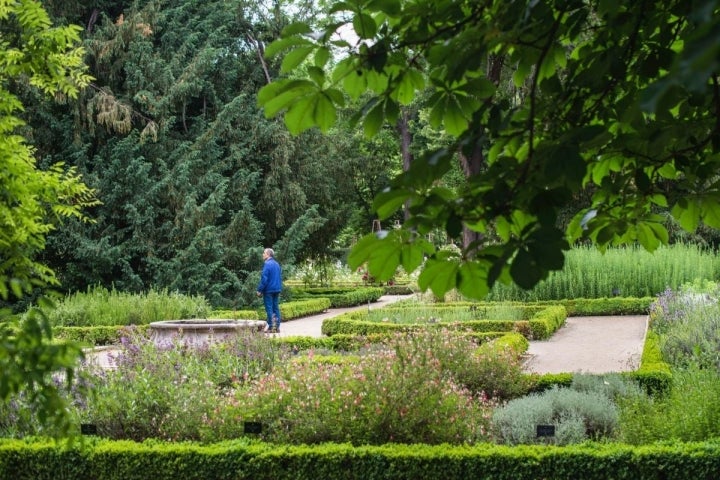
(388,202)
(687,213)
(324,114)
(647,237)
(275,100)
(711,213)
(524,270)
(284,43)
(364,25)
(295,57)
(440,276)
(473,279)
(413,254)
(454,118)
(301,115)
(362,250)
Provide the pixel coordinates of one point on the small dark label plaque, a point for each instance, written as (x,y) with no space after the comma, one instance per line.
(545,430)
(253,427)
(88,429)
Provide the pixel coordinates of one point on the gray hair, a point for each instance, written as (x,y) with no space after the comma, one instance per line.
(270,252)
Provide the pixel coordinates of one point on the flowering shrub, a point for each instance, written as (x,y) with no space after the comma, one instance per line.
(168,392)
(402,394)
(688,321)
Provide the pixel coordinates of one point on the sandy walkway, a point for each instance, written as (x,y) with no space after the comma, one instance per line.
(591,345)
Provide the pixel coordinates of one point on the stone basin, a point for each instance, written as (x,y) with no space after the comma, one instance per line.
(196,332)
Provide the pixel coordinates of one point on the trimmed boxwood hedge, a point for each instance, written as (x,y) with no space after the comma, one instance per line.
(575,307)
(243,459)
(540,326)
(341,297)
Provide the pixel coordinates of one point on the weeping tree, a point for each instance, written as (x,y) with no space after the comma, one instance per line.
(616,101)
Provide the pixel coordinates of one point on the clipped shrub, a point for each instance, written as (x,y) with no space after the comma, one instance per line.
(342,297)
(538,383)
(576,416)
(654,374)
(235,314)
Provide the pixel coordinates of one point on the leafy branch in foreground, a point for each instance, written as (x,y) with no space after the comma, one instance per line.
(617,101)
(32,200)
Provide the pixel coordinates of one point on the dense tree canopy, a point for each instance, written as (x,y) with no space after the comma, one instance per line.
(546,100)
(193,179)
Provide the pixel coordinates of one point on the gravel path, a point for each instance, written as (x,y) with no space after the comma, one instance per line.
(591,345)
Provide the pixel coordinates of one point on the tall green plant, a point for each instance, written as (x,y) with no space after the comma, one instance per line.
(626,271)
(100,306)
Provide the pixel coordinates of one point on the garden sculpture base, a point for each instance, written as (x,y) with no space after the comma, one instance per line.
(197,332)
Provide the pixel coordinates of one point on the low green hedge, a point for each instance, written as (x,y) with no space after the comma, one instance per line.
(341,297)
(98,336)
(300,308)
(542,325)
(237,314)
(604,306)
(654,373)
(242,459)
(574,307)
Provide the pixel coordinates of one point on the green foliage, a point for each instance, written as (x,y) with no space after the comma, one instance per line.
(343,297)
(622,272)
(38,57)
(543,323)
(539,383)
(514,343)
(604,99)
(302,308)
(29,358)
(687,412)
(171,392)
(99,306)
(193,180)
(402,398)
(95,335)
(235,314)
(576,415)
(115,460)
(688,322)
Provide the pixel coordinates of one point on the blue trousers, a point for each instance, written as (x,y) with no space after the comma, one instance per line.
(272,309)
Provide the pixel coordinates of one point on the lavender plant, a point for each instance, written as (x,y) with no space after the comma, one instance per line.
(688,322)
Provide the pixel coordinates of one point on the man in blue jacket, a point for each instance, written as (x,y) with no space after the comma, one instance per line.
(269,288)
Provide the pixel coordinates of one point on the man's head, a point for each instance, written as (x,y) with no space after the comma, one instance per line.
(268,253)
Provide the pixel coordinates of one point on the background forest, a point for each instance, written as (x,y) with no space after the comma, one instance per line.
(192,178)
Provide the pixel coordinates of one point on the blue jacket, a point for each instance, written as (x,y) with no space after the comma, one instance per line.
(271,278)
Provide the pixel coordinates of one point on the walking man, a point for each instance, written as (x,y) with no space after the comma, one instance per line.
(269,288)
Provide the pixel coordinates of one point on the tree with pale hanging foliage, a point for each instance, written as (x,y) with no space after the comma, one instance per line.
(34,53)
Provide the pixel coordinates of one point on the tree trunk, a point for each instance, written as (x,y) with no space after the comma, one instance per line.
(403,128)
(473,163)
